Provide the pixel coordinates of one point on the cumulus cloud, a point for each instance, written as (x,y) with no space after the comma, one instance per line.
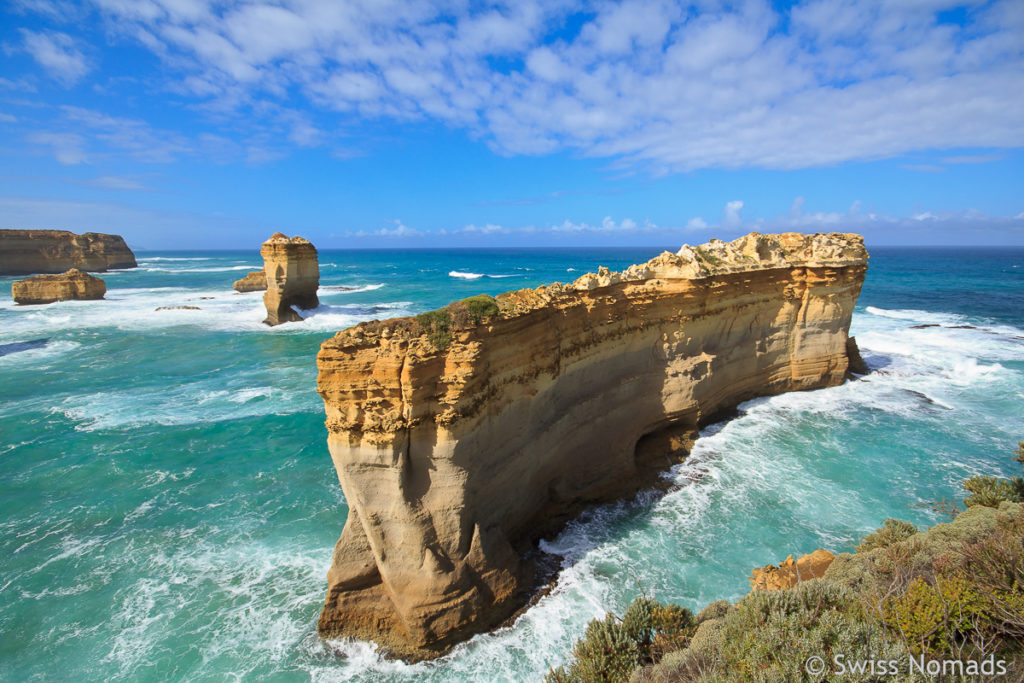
(400,229)
(731,213)
(653,84)
(57,53)
(68,148)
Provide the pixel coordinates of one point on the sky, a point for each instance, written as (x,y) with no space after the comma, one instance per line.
(188,124)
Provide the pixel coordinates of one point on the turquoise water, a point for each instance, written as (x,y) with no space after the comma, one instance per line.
(168,505)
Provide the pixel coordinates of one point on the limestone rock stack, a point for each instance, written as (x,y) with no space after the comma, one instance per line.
(461,435)
(293,276)
(23,252)
(255,281)
(791,572)
(45,289)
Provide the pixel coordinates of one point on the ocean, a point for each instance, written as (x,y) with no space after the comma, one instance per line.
(168,506)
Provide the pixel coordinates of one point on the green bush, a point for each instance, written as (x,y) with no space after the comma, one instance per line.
(479,307)
(604,654)
(891,531)
(932,618)
(991,491)
(771,633)
(611,648)
(438,327)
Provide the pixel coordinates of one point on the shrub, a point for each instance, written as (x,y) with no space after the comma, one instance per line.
(892,531)
(991,491)
(605,653)
(611,648)
(438,327)
(933,618)
(715,610)
(771,633)
(479,307)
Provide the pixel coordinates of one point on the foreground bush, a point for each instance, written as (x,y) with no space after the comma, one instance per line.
(952,593)
(611,648)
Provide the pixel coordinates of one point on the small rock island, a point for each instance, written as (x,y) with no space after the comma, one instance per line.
(45,289)
(254,281)
(462,435)
(24,252)
(292,275)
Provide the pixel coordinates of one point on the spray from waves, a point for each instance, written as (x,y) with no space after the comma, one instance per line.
(186,404)
(345,289)
(37,355)
(465,275)
(147,259)
(218,269)
(135,309)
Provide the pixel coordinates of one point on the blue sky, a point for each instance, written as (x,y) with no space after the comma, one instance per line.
(386,123)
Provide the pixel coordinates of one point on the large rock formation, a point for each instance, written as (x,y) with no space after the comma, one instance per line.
(45,289)
(23,252)
(255,281)
(461,435)
(293,276)
(791,572)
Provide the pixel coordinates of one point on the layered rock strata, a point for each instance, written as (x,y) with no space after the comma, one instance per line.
(293,276)
(791,572)
(462,435)
(255,281)
(23,252)
(45,289)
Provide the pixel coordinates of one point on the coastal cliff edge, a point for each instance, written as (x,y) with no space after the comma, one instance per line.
(462,435)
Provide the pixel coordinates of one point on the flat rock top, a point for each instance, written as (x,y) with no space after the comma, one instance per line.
(281,238)
(752,252)
(72,274)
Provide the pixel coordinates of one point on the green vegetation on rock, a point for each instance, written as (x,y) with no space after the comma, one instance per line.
(439,324)
(952,593)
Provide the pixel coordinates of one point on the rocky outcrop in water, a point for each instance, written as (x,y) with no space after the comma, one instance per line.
(791,572)
(293,276)
(45,289)
(255,281)
(23,252)
(462,435)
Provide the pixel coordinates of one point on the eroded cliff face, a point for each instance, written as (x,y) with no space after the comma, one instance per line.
(292,277)
(458,444)
(23,252)
(45,289)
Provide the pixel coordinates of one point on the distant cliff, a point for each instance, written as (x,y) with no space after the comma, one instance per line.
(24,252)
(461,435)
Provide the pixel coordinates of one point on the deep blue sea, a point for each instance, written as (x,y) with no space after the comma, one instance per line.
(168,506)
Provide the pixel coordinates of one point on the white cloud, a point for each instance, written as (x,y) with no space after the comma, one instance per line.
(400,230)
(731,213)
(124,183)
(696,223)
(68,148)
(655,84)
(57,54)
(972,159)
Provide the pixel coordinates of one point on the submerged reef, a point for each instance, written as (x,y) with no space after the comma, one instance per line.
(462,435)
